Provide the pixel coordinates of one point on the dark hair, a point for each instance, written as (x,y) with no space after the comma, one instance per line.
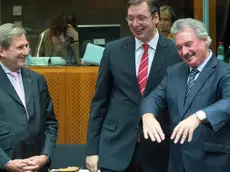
(59,24)
(152,4)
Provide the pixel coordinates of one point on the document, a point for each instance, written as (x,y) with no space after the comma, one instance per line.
(84,170)
(93,54)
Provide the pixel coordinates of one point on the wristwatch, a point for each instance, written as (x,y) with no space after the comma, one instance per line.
(201,115)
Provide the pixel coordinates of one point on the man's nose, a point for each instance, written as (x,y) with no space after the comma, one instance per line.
(136,22)
(184,51)
(26,50)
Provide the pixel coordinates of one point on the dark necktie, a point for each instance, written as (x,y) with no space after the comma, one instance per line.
(191,81)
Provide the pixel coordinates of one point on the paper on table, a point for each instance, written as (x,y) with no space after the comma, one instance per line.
(84,170)
(93,54)
(81,170)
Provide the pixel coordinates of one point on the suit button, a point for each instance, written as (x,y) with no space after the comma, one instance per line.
(182,148)
(29,142)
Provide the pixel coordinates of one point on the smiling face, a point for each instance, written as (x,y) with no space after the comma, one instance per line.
(14,57)
(142,23)
(192,50)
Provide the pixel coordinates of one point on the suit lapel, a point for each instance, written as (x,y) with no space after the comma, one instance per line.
(200,81)
(27,83)
(130,65)
(181,82)
(157,63)
(7,86)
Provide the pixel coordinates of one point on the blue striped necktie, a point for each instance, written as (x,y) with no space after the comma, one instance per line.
(191,81)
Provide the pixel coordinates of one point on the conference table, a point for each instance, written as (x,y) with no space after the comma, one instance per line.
(71,89)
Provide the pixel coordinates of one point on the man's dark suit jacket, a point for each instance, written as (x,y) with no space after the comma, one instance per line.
(19,137)
(209,150)
(114,116)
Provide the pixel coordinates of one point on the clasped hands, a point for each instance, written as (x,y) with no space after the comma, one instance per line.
(182,132)
(31,164)
(92,163)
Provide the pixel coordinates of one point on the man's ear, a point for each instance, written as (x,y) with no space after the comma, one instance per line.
(156,18)
(206,42)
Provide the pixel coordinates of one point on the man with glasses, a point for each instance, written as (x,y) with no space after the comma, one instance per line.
(130,69)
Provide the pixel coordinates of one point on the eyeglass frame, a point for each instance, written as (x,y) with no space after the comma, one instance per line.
(139,21)
(164,20)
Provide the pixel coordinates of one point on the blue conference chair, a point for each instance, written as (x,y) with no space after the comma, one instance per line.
(69,155)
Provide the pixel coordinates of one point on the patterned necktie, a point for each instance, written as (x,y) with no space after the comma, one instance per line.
(143,69)
(19,90)
(191,80)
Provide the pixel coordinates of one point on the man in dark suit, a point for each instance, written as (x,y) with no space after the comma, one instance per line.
(113,132)
(28,128)
(196,93)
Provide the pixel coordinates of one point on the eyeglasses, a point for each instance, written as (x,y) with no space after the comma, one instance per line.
(140,19)
(164,20)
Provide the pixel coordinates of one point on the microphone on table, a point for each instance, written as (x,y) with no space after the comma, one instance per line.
(49,60)
(72,58)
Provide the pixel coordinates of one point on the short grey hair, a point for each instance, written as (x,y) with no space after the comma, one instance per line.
(194,24)
(7,32)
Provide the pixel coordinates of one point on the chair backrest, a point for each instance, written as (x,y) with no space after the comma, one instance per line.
(69,155)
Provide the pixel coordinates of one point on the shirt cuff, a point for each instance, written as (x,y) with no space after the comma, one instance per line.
(7,164)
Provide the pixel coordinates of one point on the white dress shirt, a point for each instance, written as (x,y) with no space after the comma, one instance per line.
(151,51)
(202,65)
(10,77)
(200,114)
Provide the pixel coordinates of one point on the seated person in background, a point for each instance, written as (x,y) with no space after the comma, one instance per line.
(61,39)
(167,18)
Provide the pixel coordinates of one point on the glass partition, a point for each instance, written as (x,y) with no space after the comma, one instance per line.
(36,14)
(223,24)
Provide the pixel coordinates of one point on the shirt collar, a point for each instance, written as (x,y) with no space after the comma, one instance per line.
(6,70)
(202,65)
(152,43)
